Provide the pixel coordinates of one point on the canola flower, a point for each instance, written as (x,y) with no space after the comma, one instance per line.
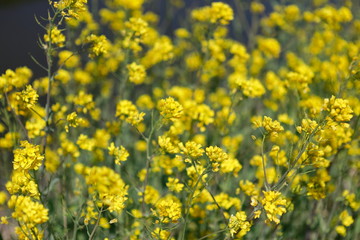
(27,157)
(71,8)
(231,126)
(170,109)
(28,97)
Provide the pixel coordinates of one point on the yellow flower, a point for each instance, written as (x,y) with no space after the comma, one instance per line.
(69,59)
(22,183)
(168,209)
(167,144)
(85,142)
(3,197)
(162,50)
(28,157)
(251,88)
(137,73)
(55,36)
(340,229)
(125,109)
(338,108)
(216,156)
(248,188)
(174,185)
(72,121)
(170,109)
(71,8)
(106,185)
(350,200)
(274,204)
(218,13)
(28,97)
(116,202)
(161,234)
(27,211)
(52,160)
(221,13)
(272,127)
(346,218)
(269,46)
(191,149)
(99,45)
(120,153)
(239,225)
(4,220)
(307,125)
(151,195)
(257,7)
(137,26)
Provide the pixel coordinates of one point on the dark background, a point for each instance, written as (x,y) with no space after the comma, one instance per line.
(20,32)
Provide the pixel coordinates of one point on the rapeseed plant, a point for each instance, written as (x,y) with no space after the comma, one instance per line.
(243,124)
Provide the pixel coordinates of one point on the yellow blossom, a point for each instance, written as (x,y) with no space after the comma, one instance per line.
(168,209)
(28,97)
(174,185)
(98,45)
(137,73)
(338,109)
(27,157)
(216,156)
(269,46)
(71,8)
(27,211)
(274,204)
(191,149)
(346,218)
(126,110)
(55,36)
(120,153)
(170,109)
(239,225)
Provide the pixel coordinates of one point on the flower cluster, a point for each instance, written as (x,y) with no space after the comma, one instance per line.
(274,205)
(55,37)
(217,156)
(27,157)
(168,209)
(217,129)
(105,185)
(71,8)
(170,109)
(28,97)
(219,13)
(120,153)
(137,73)
(98,45)
(126,110)
(239,225)
(339,109)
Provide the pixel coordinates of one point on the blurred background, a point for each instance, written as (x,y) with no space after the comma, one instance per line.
(20,32)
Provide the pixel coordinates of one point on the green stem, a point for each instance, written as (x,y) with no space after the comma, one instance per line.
(92,235)
(267,187)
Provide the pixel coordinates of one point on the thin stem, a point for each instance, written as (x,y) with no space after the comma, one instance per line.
(210,234)
(295,161)
(17,117)
(92,235)
(267,187)
(212,196)
(189,201)
(148,161)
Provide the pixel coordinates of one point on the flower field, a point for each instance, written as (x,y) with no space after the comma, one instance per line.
(208,120)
